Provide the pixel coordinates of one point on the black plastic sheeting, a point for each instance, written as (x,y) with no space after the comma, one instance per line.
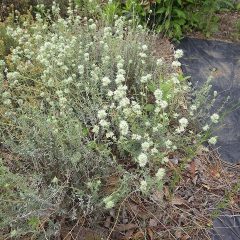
(226,227)
(203,58)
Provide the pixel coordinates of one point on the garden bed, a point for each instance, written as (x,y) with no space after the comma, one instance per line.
(101,137)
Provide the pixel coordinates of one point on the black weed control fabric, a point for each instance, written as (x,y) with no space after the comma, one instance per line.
(203,58)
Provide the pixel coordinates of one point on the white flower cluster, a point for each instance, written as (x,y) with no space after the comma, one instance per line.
(123,127)
(160,173)
(142,159)
(109,202)
(183,123)
(212,140)
(178,54)
(161,104)
(143,186)
(215,118)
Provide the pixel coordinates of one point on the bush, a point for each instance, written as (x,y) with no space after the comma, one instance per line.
(92,116)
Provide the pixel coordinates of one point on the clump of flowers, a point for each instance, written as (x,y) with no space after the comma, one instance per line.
(85,102)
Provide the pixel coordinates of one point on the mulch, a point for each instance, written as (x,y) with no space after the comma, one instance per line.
(205,187)
(228,28)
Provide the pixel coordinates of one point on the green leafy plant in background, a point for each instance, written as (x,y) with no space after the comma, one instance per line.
(88,8)
(175,17)
(172,18)
(204,18)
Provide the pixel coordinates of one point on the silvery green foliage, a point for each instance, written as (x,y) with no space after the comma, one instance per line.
(86,102)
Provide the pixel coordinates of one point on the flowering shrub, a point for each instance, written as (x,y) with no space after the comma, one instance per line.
(92,114)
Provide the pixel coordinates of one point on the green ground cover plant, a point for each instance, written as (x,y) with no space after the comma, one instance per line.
(92,115)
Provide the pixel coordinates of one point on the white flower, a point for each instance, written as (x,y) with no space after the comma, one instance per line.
(142,159)
(109,135)
(119,78)
(123,127)
(193,107)
(212,140)
(178,53)
(215,93)
(145,146)
(146,135)
(103,123)
(158,94)
(175,80)
(168,143)
(112,106)
(163,104)
(7,102)
(160,173)
(120,92)
(2,63)
(147,124)
(136,108)
(55,180)
(215,118)
(110,93)
(136,137)
(124,102)
(206,127)
(160,62)
(121,71)
(109,203)
(183,122)
(6,94)
(180,129)
(86,56)
(102,114)
(165,160)
(127,111)
(144,47)
(143,55)
(175,115)
(20,102)
(154,151)
(105,81)
(146,78)
(120,65)
(95,129)
(81,69)
(176,64)
(93,26)
(143,186)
